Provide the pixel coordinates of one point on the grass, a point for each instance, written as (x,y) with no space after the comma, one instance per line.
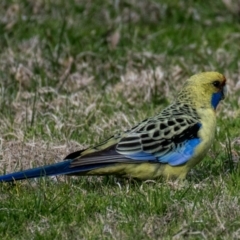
(74,72)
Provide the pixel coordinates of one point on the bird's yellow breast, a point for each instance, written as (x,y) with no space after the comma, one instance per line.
(206,134)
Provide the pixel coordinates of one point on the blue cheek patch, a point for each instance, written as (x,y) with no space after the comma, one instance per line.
(216,98)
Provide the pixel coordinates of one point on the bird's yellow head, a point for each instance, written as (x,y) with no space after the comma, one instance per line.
(204,89)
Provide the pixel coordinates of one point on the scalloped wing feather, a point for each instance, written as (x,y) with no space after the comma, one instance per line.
(169,137)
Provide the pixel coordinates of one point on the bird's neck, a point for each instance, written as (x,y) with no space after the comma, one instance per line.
(194,100)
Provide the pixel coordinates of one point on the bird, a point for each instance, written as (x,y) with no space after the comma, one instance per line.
(166,145)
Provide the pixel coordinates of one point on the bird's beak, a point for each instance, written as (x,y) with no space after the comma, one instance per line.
(224,92)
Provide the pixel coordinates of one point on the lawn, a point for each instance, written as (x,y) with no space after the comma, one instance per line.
(74,72)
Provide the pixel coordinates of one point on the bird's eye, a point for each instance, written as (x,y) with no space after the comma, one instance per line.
(216,84)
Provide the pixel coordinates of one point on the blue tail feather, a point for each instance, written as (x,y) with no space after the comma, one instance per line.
(50,170)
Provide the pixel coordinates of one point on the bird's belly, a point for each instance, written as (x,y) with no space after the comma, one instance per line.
(143,171)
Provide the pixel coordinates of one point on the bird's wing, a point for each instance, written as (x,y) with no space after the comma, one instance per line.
(172,141)
(170,137)
(102,154)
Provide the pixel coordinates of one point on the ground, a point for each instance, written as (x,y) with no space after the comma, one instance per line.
(73,73)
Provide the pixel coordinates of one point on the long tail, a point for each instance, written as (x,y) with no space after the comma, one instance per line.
(48,170)
(76,163)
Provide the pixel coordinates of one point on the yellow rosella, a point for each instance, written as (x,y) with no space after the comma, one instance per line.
(166,145)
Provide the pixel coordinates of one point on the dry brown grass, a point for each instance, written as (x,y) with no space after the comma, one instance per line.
(61,94)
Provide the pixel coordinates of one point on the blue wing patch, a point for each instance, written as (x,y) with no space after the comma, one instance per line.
(142,156)
(184,147)
(177,157)
(180,155)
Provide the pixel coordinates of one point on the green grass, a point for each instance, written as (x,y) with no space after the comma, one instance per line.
(64,86)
